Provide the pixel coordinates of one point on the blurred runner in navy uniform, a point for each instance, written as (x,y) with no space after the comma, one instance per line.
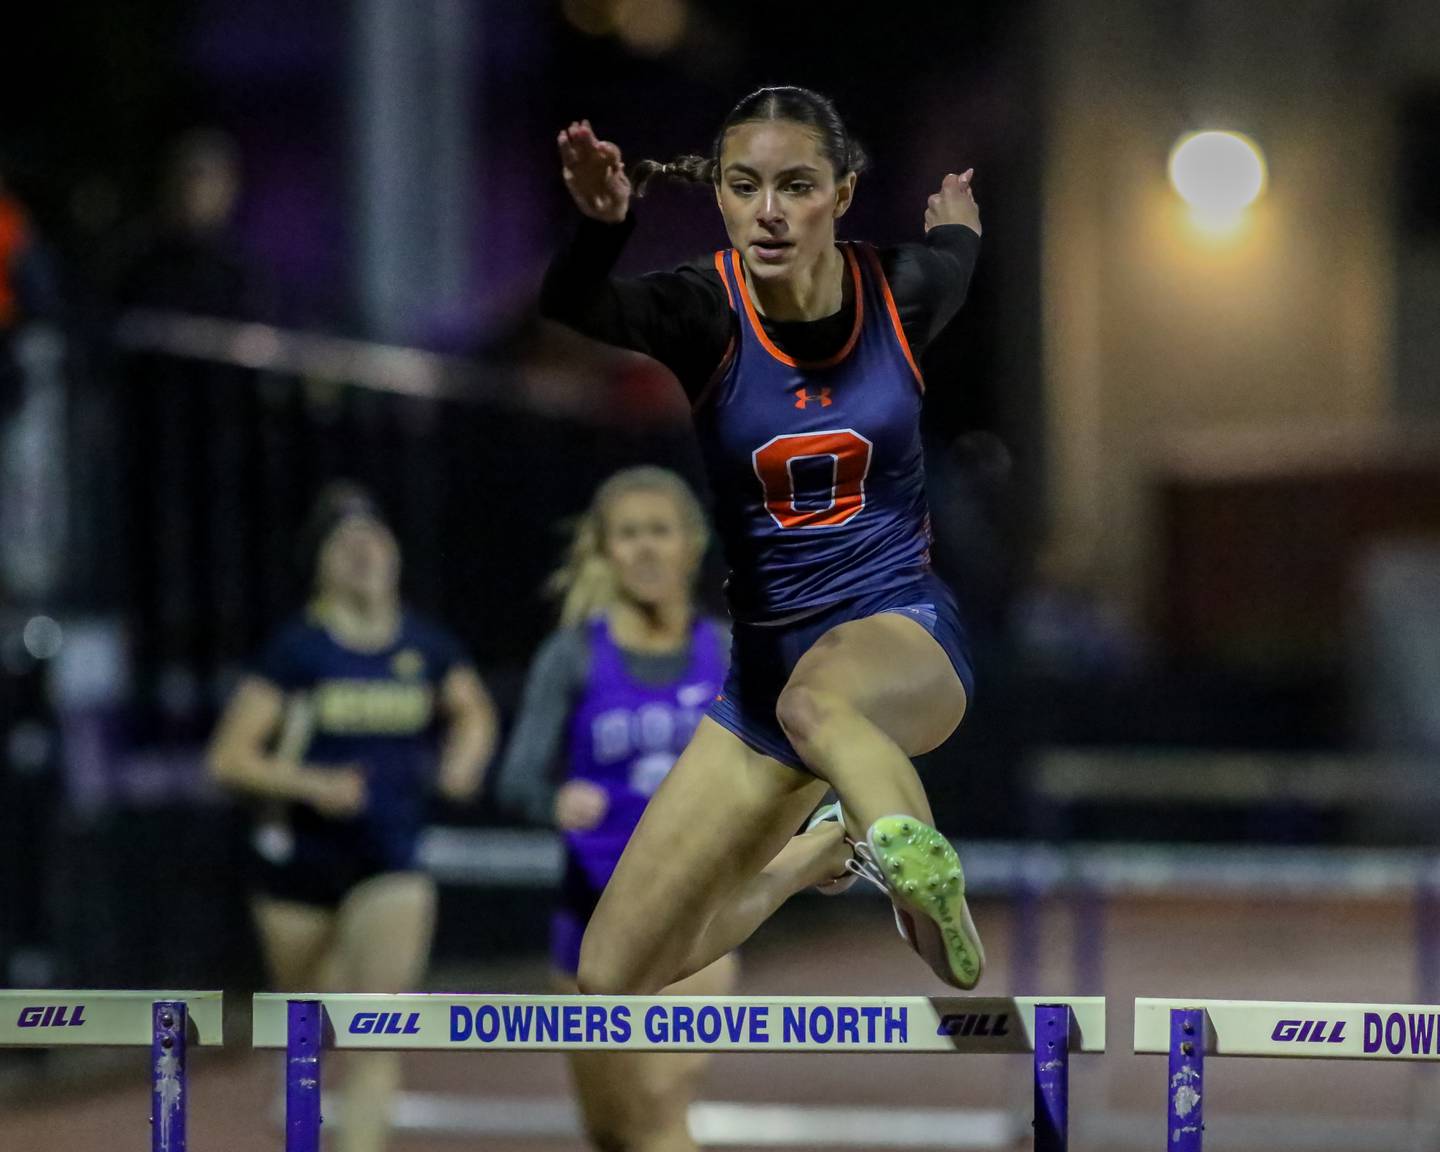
(355,712)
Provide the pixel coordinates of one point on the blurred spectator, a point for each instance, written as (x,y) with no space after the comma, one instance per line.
(32,365)
(186,259)
(168,416)
(14,242)
(27,290)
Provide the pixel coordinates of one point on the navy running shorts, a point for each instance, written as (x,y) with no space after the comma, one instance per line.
(762,656)
(317,867)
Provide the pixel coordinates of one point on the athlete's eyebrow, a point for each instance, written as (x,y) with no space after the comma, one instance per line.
(794,170)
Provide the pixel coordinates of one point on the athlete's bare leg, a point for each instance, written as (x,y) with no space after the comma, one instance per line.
(640,1101)
(383,931)
(722,815)
(377,940)
(868,696)
(808,859)
(295,939)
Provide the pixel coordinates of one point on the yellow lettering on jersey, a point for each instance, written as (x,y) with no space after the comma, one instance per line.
(373,707)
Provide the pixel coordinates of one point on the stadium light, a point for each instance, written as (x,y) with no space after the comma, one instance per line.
(1219,174)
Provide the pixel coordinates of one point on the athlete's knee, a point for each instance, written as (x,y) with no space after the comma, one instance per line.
(604,971)
(806,713)
(595,977)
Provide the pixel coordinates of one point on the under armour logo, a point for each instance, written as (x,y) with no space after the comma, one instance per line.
(802,397)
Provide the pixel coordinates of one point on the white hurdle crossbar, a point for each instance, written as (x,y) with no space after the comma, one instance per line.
(1189,1029)
(305,1025)
(165,1022)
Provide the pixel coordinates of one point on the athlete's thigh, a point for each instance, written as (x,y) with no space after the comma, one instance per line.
(893,672)
(720,816)
(383,932)
(294,940)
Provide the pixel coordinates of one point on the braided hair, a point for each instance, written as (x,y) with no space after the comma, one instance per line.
(795,105)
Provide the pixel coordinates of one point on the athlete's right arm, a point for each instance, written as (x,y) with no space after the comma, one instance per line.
(679,318)
(238,761)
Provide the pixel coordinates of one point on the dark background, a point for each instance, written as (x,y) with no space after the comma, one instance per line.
(151,500)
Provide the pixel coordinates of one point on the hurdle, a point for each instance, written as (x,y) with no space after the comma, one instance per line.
(167,1022)
(1189,1030)
(1274,786)
(307,1025)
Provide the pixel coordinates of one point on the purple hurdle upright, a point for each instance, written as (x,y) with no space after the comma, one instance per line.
(1052,1077)
(166,1022)
(306,1019)
(167,1061)
(1187,1080)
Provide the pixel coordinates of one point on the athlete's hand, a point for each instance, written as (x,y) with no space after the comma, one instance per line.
(338,793)
(954,203)
(593,173)
(579,806)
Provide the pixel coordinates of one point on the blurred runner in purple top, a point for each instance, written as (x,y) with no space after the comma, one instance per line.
(613,697)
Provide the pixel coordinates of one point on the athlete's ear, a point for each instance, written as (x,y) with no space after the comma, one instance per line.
(844,195)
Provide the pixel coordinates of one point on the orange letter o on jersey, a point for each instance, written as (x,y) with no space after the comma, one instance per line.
(849,455)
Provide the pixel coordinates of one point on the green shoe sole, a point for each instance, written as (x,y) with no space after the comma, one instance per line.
(924,875)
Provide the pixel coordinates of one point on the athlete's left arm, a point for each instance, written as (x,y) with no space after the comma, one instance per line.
(471,727)
(930,280)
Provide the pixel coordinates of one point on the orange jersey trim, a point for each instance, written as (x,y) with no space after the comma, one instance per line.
(724,366)
(720,268)
(768,344)
(894,316)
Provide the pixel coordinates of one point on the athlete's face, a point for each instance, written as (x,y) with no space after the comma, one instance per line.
(779,197)
(360,560)
(653,553)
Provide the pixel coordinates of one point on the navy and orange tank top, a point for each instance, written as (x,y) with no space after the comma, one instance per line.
(817,468)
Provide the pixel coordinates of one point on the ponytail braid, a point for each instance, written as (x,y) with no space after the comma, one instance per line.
(795,105)
(689,169)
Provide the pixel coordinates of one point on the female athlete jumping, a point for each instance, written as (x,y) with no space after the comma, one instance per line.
(800,357)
